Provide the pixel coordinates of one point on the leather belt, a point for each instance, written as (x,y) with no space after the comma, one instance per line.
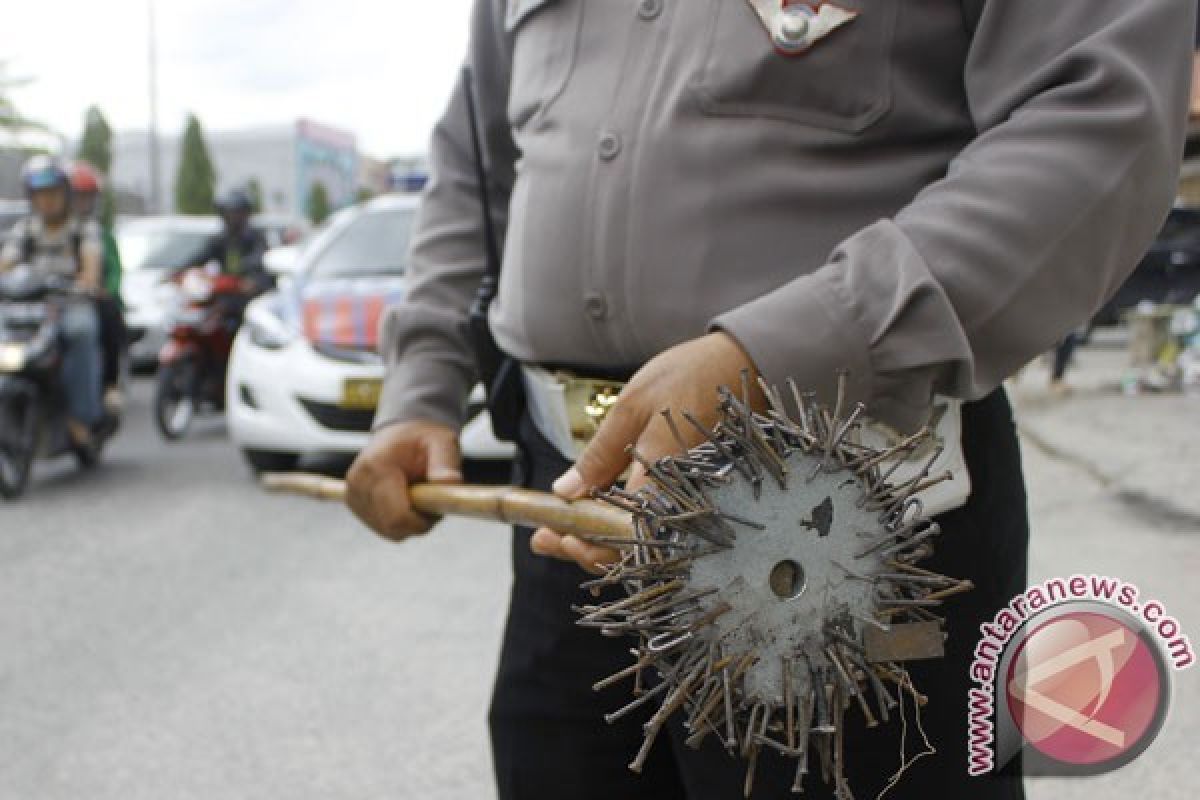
(567,408)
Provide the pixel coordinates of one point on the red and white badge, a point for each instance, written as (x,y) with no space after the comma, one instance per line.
(796,26)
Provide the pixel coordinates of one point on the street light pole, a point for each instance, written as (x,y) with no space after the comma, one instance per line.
(155,200)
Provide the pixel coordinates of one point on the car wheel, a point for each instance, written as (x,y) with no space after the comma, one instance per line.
(270,461)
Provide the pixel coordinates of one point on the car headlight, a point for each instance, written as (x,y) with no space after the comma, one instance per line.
(197,286)
(12,357)
(267,330)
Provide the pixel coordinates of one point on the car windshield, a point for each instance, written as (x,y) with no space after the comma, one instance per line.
(161,248)
(374,243)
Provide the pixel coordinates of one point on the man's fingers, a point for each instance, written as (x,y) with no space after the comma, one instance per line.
(546,542)
(604,459)
(359,481)
(377,485)
(443,460)
(379,497)
(637,477)
(591,557)
(655,442)
(392,512)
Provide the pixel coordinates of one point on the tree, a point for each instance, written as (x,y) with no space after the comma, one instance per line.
(254,189)
(196,179)
(318,203)
(10,118)
(95,146)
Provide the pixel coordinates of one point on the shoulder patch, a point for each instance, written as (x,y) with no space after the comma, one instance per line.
(796,27)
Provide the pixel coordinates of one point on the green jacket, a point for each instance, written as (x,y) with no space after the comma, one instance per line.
(111,277)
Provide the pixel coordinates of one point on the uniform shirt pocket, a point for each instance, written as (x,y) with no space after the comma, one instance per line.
(842,83)
(545,37)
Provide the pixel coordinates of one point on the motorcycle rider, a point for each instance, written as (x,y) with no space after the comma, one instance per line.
(52,243)
(86,186)
(238,248)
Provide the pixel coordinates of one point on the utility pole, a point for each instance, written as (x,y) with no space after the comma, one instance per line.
(154,197)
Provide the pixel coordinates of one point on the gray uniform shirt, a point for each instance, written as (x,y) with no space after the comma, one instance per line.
(931,196)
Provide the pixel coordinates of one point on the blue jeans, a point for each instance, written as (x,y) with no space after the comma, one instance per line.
(81,366)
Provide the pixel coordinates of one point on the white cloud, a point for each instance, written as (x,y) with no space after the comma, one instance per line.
(381,70)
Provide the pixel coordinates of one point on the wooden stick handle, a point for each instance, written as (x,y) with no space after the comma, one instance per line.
(583,518)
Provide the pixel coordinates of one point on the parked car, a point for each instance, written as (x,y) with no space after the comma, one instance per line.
(1168,273)
(305,374)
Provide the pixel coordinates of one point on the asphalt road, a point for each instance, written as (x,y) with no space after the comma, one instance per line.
(169,631)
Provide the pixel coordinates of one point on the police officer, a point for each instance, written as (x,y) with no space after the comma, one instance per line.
(927,194)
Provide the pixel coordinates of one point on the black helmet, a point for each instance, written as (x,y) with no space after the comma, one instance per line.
(234,200)
(45,172)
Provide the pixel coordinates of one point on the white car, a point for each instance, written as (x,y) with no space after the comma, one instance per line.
(152,249)
(305,374)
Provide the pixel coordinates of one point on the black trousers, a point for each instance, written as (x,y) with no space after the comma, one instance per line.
(113,337)
(549,738)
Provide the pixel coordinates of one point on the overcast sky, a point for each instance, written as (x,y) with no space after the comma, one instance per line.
(379,69)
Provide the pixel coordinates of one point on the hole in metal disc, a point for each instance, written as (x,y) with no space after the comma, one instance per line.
(787,580)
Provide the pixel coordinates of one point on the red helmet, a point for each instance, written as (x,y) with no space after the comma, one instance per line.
(85,178)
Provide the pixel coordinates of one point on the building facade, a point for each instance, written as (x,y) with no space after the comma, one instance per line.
(285,161)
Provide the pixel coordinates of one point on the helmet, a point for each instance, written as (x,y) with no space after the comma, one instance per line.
(234,200)
(85,178)
(44,172)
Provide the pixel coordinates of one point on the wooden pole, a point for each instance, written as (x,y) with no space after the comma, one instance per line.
(583,518)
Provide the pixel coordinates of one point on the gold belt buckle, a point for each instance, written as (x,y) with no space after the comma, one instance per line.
(588,402)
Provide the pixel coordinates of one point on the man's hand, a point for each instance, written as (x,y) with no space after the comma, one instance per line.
(87,284)
(684,378)
(395,457)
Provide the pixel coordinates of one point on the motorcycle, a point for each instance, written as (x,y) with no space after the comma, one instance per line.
(193,361)
(33,402)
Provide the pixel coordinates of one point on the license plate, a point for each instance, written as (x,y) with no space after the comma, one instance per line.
(361,393)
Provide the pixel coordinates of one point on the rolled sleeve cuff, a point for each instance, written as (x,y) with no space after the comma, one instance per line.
(423,389)
(804,330)
(810,330)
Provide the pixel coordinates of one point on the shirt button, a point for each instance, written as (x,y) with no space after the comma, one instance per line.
(649,9)
(609,146)
(793,24)
(596,306)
